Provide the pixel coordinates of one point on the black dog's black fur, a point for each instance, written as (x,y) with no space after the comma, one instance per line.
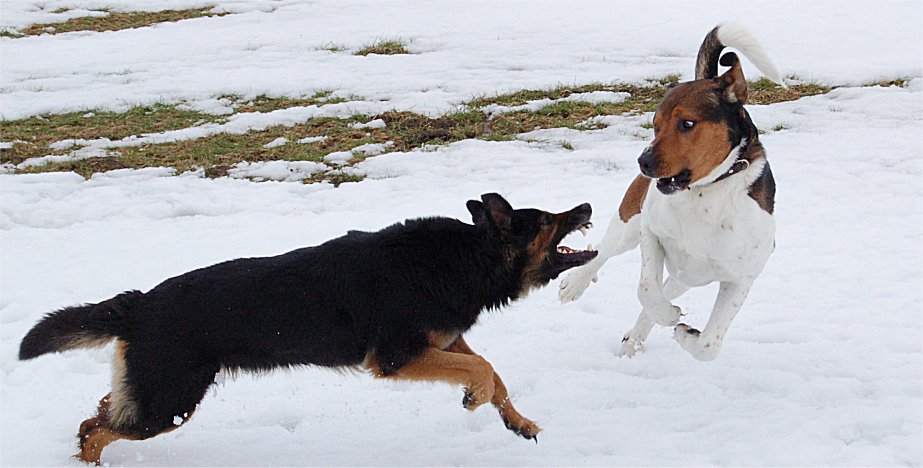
(364,294)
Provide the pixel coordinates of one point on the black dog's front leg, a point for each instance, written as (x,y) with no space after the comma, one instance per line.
(514,421)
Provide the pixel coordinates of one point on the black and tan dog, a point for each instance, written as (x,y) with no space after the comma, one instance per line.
(708,215)
(396,302)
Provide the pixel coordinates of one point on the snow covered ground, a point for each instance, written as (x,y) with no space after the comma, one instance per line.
(823,366)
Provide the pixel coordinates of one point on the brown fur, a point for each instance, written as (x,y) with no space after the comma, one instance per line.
(501,400)
(442,339)
(537,251)
(471,371)
(97,432)
(700,150)
(459,364)
(634,198)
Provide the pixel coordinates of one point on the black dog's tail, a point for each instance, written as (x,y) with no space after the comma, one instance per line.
(86,326)
(736,36)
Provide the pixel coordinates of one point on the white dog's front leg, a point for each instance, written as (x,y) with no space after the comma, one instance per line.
(633,341)
(706,344)
(620,237)
(650,288)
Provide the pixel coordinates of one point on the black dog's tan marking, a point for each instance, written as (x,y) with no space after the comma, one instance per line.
(501,400)
(397,301)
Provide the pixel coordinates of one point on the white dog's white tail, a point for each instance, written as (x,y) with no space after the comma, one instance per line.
(736,36)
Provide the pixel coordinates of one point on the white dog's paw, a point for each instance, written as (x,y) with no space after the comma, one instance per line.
(630,347)
(694,343)
(574,284)
(666,316)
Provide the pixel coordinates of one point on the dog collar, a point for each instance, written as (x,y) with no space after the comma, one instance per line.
(739,166)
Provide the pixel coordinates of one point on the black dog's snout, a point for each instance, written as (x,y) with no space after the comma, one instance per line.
(584,208)
(648,162)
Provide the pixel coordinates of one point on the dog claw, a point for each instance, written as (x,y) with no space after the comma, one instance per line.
(526,431)
(466,400)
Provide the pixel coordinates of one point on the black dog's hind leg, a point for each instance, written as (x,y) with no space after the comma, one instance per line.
(152,394)
(514,421)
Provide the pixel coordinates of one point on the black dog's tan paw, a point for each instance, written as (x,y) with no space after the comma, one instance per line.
(479,391)
(474,399)
(523,428)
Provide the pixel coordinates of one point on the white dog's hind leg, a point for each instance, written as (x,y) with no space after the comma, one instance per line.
(706,344)
(633,341)
(620,237)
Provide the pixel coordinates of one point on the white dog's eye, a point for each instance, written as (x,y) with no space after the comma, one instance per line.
(688,124)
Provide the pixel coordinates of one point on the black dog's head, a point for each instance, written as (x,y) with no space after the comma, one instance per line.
(531,236)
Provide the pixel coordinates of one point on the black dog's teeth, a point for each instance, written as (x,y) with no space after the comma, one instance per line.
(583,229)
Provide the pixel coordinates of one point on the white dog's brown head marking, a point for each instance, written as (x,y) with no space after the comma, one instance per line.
(695,128)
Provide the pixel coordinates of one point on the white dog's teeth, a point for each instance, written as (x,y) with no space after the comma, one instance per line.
(589,225)
(583,230)
(589,246)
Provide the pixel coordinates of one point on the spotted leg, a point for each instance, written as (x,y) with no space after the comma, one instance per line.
(705,345)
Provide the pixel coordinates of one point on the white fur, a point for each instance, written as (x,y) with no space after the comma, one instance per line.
(736,36)
(709,233)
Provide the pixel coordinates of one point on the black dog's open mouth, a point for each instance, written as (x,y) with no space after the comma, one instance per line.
(670,185)
(567,257)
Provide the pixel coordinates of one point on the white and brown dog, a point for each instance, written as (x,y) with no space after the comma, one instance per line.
(708,217)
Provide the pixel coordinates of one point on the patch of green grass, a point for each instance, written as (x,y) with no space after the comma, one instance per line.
(410,130)
(406,130)
(764,91)
(10,33)
(264,103)
(665,80)
(384,47)
(899,82)
(648,125)
(218,153)
(779,127)
(335,177)
(115,21)
(32,136)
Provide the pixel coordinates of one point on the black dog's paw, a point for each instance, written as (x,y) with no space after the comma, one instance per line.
(476,396)
(523,428)
(468,399)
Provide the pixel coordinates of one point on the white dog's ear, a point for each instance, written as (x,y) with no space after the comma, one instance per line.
(733,81)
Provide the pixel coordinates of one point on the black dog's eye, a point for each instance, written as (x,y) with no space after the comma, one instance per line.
(686,125)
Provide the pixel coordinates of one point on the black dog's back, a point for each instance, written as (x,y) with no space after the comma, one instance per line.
(327,305)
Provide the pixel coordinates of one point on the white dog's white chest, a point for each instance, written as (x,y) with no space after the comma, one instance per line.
(711,233)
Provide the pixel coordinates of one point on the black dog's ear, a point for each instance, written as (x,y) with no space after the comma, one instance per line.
(498,211)
(476,208)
